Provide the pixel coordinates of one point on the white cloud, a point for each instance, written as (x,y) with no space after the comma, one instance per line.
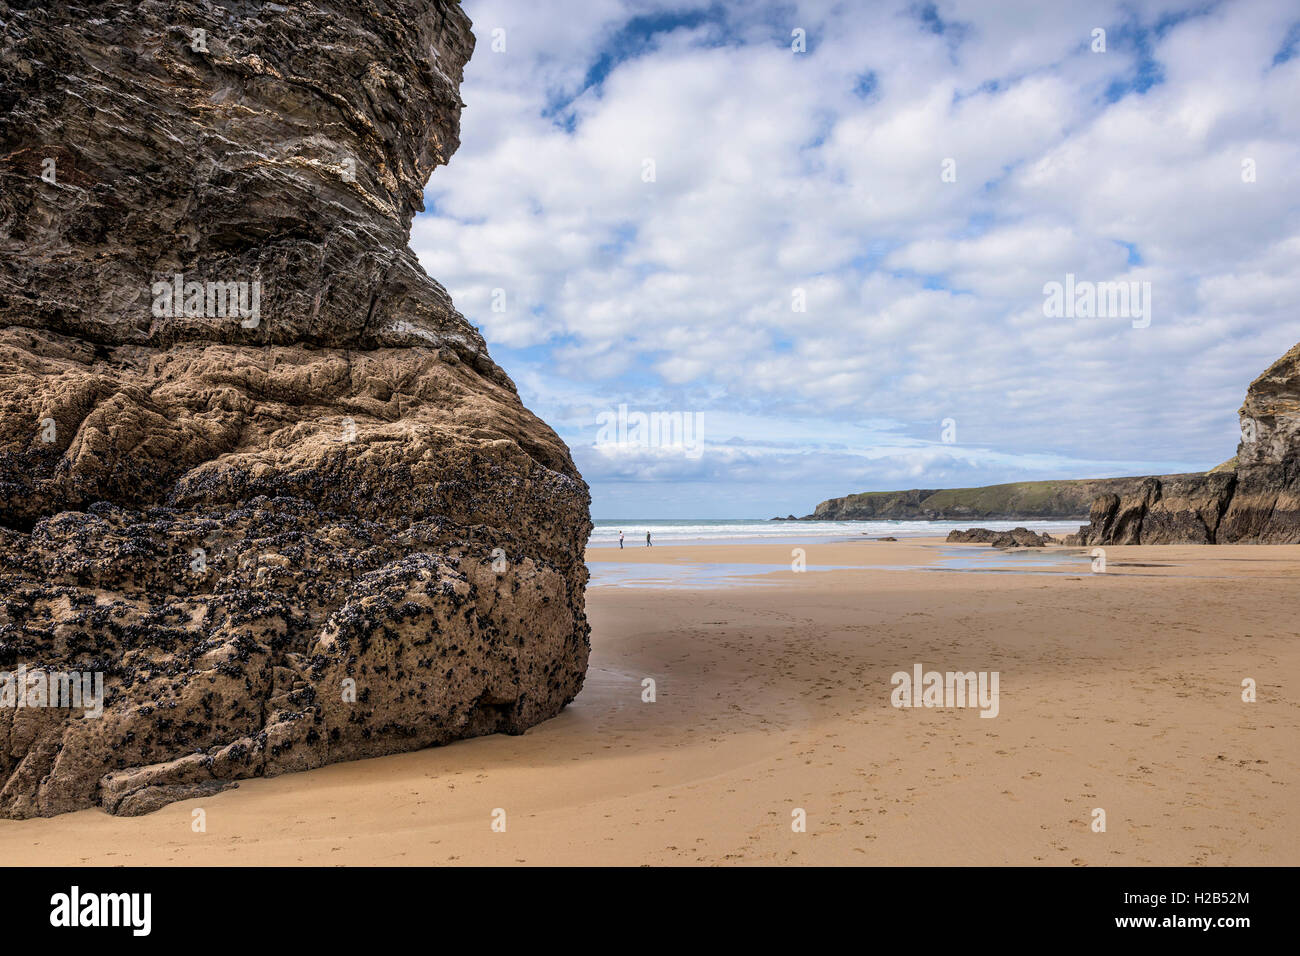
(924,297)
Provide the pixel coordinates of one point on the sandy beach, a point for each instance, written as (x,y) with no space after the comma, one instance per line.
(1119,690)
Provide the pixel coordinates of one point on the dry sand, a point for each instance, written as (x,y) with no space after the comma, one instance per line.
(1119,691)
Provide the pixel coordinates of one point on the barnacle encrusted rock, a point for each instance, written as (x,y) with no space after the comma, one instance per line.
(317,528)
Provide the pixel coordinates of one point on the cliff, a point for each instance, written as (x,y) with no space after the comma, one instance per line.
(1022,499)
(1255,502)
(256,471)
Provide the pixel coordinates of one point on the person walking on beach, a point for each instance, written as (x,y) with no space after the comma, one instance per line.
(620,541)
(647,540)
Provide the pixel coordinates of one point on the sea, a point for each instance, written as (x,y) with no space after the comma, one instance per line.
(738,530)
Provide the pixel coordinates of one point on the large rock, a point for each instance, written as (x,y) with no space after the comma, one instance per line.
(1119,517)
(1266,504)
(1188,510)
(1018,538)
(1257,501)
(1265,507)
(322,531)
(1015,538)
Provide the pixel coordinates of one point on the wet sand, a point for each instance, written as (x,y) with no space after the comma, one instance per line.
(1120,691)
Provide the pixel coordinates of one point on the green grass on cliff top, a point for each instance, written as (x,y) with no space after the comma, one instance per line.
(1011,497)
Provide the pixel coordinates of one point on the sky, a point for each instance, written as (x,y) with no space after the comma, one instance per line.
(822,235)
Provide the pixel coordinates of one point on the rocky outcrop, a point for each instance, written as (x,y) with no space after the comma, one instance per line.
(256,472)
(1186,510)
(1018,538)
(1256,502)
(971,536)
(1015,538)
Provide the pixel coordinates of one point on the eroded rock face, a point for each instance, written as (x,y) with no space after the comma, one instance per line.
(1258,502)
(228,142)
(329,533)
